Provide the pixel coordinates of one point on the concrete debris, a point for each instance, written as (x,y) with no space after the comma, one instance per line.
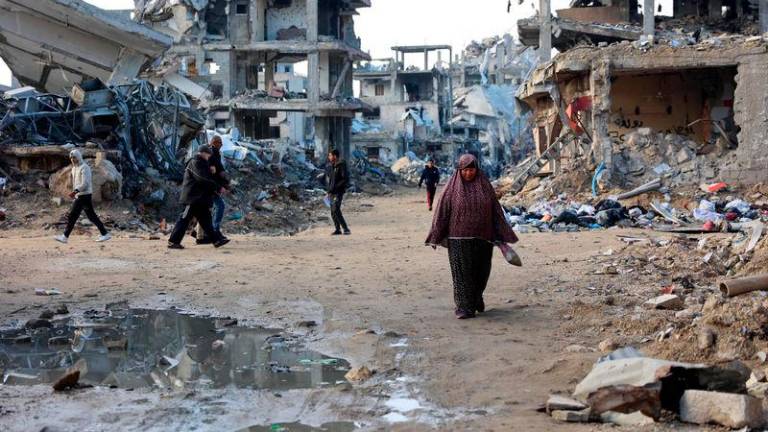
(359,374)
(563,403)
(636,418)
(731,410)
(666,301)
(627,399)
(583,416)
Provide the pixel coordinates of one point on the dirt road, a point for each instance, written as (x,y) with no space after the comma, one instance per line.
(433,371)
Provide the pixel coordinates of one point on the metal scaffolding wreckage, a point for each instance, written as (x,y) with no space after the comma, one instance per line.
(151,125)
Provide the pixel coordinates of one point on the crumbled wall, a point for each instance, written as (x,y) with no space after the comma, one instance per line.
(751,114)
(669,102)
(283,18)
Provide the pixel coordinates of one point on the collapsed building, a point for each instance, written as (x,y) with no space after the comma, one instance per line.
(234,50)
(662,102)
(409,105)
(81,66)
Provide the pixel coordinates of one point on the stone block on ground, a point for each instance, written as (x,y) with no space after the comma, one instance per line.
(666,301)
(727,409)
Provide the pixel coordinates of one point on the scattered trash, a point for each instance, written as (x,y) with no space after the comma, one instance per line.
(47,292)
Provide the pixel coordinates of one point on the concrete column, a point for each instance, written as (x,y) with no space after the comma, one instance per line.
(313,80)
(649,20)
(545,30)
(258,20)
(426,60)
(764,16)
(600,84)
(269,75)
(393,81)
(312,20)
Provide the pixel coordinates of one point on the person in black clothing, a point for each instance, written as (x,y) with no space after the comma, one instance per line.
(217,169)
(337,178)
(197,193)
(430,176)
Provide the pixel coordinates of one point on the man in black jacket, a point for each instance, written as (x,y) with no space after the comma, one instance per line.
(430,176)
(197,193)
(217,167)
(337,177)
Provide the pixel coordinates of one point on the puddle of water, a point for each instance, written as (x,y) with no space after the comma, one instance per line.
(134,348)
(395,417)
(298,427)
(403,405)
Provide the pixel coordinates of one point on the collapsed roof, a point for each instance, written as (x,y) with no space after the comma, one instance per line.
(53,44)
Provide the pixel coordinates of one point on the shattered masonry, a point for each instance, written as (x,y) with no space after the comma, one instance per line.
(704,84)
(244,52)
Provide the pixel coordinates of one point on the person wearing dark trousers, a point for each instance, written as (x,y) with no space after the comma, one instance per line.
(430,176)
(219,173)
(82,192)
(337,179)
(197,193)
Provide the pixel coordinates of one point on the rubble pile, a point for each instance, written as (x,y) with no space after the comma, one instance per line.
(152,126)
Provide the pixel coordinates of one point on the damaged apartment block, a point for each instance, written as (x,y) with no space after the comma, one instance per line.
(660,101)
(411,104)
(245,53)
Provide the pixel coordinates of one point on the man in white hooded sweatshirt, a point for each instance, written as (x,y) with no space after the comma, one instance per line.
(82,191)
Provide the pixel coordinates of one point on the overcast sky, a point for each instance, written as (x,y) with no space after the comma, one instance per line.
(414,22)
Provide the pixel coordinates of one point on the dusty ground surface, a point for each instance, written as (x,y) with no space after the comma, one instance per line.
(490,373)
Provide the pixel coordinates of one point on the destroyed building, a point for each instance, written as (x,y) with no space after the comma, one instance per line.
(691,104)
(410,105)
(484,108)
(234,50)
(82,68)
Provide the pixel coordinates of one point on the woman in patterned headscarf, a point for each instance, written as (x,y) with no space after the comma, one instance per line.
(469,221)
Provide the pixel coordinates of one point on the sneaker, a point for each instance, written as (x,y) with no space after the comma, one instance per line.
(347,232)
(221,243)
(61,238)
(105,237)
(204,241)
(335,233)
(175,246)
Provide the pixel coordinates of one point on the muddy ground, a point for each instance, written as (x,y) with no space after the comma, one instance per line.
(432,371)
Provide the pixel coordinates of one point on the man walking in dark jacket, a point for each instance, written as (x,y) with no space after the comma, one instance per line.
(430,176)
(337,177)
(217,167)
(197,193)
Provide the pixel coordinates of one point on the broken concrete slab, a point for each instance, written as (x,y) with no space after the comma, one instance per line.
(627,399)
(637,418)
(563,403)
(583,416)
(727,409)
(76,39)
(666,302)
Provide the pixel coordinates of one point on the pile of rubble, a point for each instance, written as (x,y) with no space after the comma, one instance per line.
(629,389)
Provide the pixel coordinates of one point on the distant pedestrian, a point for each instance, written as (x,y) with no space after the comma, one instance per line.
(219,173)
(198,190)
(430,176)
(469,220)
(337,179)
(82,192)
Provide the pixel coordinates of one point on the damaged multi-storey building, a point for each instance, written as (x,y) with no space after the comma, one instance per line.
(687,89)
(236,50)
(410,105)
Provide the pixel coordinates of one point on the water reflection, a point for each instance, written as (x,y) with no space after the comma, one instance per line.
(132,348)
